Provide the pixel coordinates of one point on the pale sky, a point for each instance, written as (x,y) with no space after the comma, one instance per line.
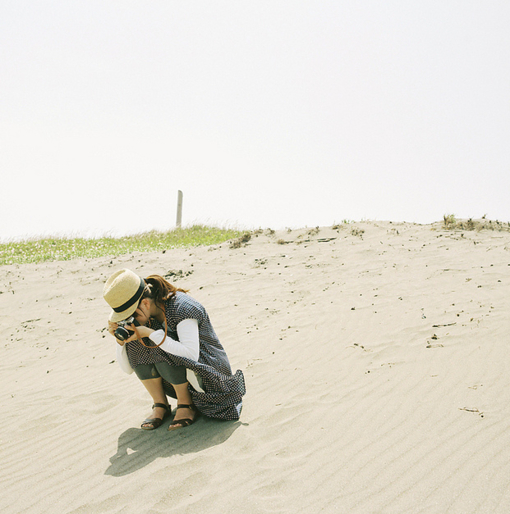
(277,113)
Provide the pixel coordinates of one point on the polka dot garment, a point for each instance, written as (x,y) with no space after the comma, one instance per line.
(223,394)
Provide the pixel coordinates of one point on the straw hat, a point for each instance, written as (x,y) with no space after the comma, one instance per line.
(122,292)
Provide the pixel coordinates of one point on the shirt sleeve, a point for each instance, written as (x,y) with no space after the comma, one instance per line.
(123,360)
(188,345)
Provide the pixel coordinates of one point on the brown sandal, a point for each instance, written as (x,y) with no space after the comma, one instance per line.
(186,422)
(153,423)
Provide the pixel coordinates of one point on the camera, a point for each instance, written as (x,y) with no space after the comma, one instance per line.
(122,333)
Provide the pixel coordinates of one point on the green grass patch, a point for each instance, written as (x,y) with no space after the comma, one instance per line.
(65,249)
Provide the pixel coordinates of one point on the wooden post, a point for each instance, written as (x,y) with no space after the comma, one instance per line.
(179,209)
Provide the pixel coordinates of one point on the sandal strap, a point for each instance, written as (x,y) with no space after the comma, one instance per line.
(152,422)
(183,422)
(161,406)
(182,406)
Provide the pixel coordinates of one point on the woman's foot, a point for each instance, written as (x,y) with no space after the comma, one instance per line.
(159,412)
(185,415)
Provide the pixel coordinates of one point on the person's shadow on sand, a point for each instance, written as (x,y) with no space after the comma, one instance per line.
(137,448)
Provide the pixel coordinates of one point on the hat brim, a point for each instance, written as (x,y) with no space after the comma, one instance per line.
(115,317)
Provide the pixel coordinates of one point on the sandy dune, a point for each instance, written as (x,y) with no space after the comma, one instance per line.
(376,358)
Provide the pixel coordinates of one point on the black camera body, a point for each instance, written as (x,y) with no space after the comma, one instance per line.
(122,333)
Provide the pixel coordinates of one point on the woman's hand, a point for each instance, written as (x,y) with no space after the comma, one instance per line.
(142,330)
(112,327)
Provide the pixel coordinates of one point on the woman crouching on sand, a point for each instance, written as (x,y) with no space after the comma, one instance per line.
(174,350)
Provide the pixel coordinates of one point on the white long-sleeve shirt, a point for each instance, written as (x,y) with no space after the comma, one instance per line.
(187,346)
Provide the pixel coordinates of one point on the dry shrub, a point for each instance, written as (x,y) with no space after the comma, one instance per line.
(450,223)
(241,241)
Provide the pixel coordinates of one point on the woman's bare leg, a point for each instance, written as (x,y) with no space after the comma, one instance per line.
(154,387)
(183,398)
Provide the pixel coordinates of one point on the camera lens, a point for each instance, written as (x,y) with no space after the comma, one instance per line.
(122,333)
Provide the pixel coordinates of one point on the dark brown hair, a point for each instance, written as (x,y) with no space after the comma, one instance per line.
(159,290)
